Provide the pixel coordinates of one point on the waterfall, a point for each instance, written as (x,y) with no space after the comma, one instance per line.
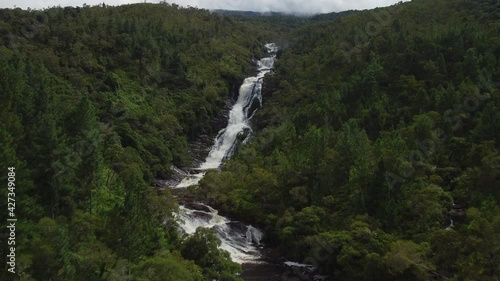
(240,240)
(451,225)
(238,123)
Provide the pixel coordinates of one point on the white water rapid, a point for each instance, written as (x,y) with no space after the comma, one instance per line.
(240,240)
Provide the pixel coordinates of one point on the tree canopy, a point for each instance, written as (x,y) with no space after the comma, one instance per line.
(375,155)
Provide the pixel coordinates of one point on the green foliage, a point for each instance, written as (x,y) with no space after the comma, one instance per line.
(203,248)
(378,127)
(407,260)
(99,102)
(422,208)
(166,266)
(375,122)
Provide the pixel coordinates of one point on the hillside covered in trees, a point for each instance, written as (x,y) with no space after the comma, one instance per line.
(98,102)
(375,155)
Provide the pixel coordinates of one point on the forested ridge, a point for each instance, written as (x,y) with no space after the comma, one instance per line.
(97,103)
(378,127)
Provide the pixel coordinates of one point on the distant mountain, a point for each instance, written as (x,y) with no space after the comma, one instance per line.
(313,17)
(258,14)
(332,16)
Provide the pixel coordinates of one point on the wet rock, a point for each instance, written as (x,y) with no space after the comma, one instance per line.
(263,272)
(245,134)
(196,206)
(253,106)
(199,149)
(304,272)
(237,227)
(457,215)
(202,215)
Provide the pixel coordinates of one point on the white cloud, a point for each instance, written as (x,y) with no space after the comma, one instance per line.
(298,6)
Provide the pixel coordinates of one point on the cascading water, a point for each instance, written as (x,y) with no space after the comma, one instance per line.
(239,116)
(239,240)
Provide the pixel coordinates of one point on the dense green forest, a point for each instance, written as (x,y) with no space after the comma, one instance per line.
(378,127)
(97,103)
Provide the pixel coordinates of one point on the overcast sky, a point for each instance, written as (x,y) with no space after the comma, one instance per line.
(300,6)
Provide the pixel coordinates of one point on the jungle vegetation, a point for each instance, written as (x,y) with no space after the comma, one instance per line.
(378,128)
